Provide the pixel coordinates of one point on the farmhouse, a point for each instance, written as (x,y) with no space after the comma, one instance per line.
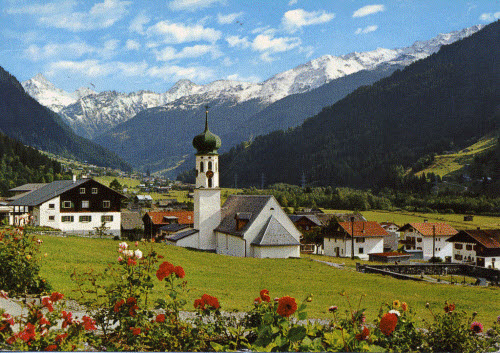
(477,246)
(422,236)
(245,226)
(368,238)
(77,206)
(154,220)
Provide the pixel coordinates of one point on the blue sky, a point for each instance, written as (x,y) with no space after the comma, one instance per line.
(128,45)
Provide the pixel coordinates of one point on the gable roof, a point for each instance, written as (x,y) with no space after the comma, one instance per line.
(489,238)
(183,217)
(363,229)
(131,220)
(312,218)
(426,229)
(47,192)
(250,205)
(274,234)
(28,187)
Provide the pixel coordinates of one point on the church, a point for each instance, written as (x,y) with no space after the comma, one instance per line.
(245,225)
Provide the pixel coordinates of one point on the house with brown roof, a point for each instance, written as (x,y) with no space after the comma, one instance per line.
(154,220)
(368,239)
(480,247)
(428,237)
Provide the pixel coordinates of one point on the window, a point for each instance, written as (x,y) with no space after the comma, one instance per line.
(360,240)
(52,206)
(67,219)
(468,247)
(419,240)
(52,218)
(458,257)
(106,204)
(66,204)
(210,182)
(85,204)
(106,218)
(85,219)
(201,167)
(360,250)
(94,191)
(210,165)
(458,246)
(82,190)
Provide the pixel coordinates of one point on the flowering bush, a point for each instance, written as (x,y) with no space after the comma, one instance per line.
(19,261)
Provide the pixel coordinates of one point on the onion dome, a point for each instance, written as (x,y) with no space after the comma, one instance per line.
(206,142)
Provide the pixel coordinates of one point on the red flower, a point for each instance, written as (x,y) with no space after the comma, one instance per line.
(56,296)
(7,318)
(199,304)
(131,300)
(118,305)
(51,348)
(88,323)
(131,262)
(67,319)
(388,323)
(476,327)
(264,295)
(46,302)
(11,340)
(179,272)
(43,321)
(210,301)
(165,269)
(257,300)
(363,335)
(449,308)
(286,306)
(28,333)
(60,338)
(160,318)
(135,330)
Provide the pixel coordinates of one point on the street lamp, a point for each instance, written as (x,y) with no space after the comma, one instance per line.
(352,238)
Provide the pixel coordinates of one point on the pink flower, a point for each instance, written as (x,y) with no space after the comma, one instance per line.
(476,327)
(120,259)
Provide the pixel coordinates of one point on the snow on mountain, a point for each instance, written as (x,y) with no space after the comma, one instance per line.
(49,95)
(91,113)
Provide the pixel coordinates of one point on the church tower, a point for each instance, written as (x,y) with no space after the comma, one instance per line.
(207,193)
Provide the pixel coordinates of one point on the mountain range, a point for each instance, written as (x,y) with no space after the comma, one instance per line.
(370,137)
(154,130)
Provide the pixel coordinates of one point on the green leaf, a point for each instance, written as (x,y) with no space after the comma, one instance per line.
(297,333)
(302,315)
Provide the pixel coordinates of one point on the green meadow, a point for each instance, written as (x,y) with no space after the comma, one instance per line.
(237,281)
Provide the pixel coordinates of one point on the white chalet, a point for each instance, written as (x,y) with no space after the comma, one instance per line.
(480,247)
(422,236)
(368,239)
(246,226)
(77,206)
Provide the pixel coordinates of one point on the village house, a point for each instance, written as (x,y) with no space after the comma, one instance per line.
(422,236)
(308,225)
(76,206)
(391,241)
(154,220)
(368,238)
(245,226)
(480,247)
(132,226)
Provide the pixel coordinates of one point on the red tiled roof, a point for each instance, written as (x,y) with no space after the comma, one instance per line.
(426,229)
(183,217)
(489,238)
(364,229)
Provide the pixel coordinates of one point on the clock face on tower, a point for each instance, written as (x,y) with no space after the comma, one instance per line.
(210,174)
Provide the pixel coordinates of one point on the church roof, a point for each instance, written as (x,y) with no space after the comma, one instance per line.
(274,234)
(248,205)
(207,142)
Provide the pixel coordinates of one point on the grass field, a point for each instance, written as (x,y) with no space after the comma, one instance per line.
(237,281)
(403,217)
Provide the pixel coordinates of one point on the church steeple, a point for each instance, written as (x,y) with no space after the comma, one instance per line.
(206,142)
(207,157)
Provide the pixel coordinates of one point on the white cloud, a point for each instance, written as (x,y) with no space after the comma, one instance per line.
(237,77)
(169,53)
(173,73)
(63,15)
(292,2)
(489,17)
(227,19)
(137,24)
(191,5)
(368,10)
(96,68)
(294,20)
(367,29)
(236,41)
(132,45)
(175,33)
(269,44)
(56,50)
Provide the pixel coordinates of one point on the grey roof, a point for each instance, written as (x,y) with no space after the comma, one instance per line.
(47,192)
(295,217)
(28,187)
(174,227)
(131,220)
(144,198)
(244,215)
(240,204)
(182,235)
(274,234)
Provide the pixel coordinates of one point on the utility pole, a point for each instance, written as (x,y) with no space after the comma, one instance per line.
(352,238)
(433,243)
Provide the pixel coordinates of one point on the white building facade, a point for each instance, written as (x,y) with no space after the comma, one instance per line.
(431,238)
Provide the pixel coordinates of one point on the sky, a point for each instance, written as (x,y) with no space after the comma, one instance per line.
(131,45)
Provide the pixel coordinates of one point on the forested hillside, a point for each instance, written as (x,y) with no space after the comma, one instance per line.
(368,138)
(23,118)
(20,164)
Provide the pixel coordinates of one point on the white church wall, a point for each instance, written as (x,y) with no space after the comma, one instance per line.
(276,252)
(230,245)
(206,216)
(189,241)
